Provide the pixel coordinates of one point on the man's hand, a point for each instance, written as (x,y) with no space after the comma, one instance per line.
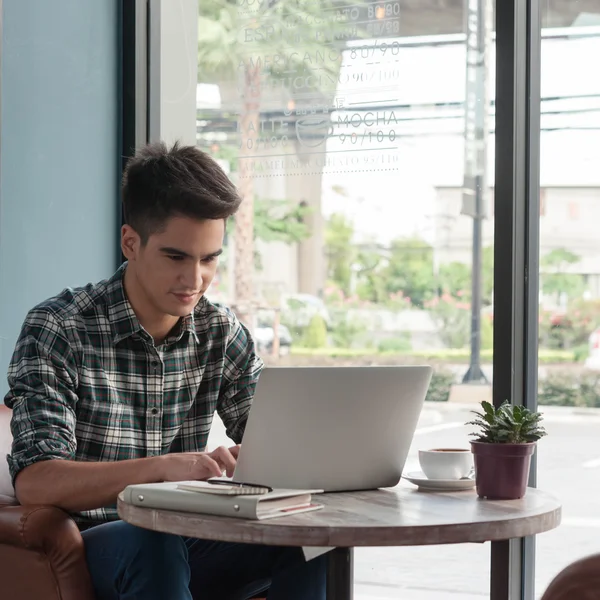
(187,466)
(77,485)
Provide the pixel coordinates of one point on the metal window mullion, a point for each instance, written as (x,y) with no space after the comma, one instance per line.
(133,91)
(135,75)
(533,204)
(532,249)
(154,50)
(516,270)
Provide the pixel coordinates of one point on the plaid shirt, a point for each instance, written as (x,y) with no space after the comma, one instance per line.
(87,382)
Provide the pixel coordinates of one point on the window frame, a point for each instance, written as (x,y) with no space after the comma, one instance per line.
(135,71)
(516,250)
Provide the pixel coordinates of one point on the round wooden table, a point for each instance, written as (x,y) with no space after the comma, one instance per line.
(392,517)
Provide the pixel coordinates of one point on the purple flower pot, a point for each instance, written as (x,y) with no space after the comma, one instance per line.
(502,470)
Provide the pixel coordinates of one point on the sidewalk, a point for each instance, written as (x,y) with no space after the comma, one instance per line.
(364,591)
(449,407)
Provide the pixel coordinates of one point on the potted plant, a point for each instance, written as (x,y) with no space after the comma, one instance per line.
(502,449)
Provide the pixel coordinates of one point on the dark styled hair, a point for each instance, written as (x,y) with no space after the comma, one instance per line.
(160,183)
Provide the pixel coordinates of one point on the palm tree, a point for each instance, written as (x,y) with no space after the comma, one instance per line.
(237,41)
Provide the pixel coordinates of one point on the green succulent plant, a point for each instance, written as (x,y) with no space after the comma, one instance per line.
(507,424)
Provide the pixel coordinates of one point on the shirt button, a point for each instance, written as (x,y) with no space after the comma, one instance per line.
(154,411)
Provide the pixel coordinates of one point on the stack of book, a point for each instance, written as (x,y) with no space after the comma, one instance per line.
(224,498)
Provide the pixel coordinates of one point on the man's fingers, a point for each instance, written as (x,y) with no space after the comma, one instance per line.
(235,451)
(225,459)
(212,466)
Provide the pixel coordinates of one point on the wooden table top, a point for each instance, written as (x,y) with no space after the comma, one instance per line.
(392,517)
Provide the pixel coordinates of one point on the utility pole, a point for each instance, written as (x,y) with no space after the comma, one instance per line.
(478,15)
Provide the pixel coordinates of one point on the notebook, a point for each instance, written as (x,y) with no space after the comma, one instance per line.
(222,487)
(168,496)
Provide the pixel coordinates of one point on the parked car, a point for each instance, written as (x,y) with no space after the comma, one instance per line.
(264,335)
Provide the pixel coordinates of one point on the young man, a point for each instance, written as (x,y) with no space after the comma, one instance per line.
(116,383)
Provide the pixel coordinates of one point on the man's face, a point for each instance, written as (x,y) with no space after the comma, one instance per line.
(176,266)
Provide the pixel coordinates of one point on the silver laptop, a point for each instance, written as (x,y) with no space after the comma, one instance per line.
(332,428)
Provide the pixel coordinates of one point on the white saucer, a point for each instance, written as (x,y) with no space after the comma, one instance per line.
(439,485)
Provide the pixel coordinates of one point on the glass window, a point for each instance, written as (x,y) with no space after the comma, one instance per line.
(569,334)
(361,139)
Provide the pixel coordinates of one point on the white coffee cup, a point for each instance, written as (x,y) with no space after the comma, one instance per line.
(446,463)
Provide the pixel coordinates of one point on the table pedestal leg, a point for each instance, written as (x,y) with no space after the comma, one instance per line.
(340,574)
(500,571)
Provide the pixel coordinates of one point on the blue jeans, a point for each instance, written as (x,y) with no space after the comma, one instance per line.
(130,563)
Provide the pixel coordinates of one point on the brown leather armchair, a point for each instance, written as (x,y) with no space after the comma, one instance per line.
(41,549)
(578,581)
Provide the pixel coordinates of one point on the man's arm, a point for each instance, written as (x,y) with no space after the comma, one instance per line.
(43,382)
(240,375)
(76,486)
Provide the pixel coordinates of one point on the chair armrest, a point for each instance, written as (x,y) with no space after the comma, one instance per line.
(51,533)
(43,528)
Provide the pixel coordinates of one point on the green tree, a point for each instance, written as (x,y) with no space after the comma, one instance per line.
(410,270)
(340,252)
(487,332)
(555,280)
(370,284)
(232,46)
(455,279)
(279,221)
(315,335)
(453,319)
(274,221)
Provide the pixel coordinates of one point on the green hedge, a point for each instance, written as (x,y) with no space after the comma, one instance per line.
(439,388)
(570,389)
(575,388)
(446,354)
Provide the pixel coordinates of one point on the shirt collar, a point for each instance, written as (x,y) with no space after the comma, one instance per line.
(123,320)
(186,324)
